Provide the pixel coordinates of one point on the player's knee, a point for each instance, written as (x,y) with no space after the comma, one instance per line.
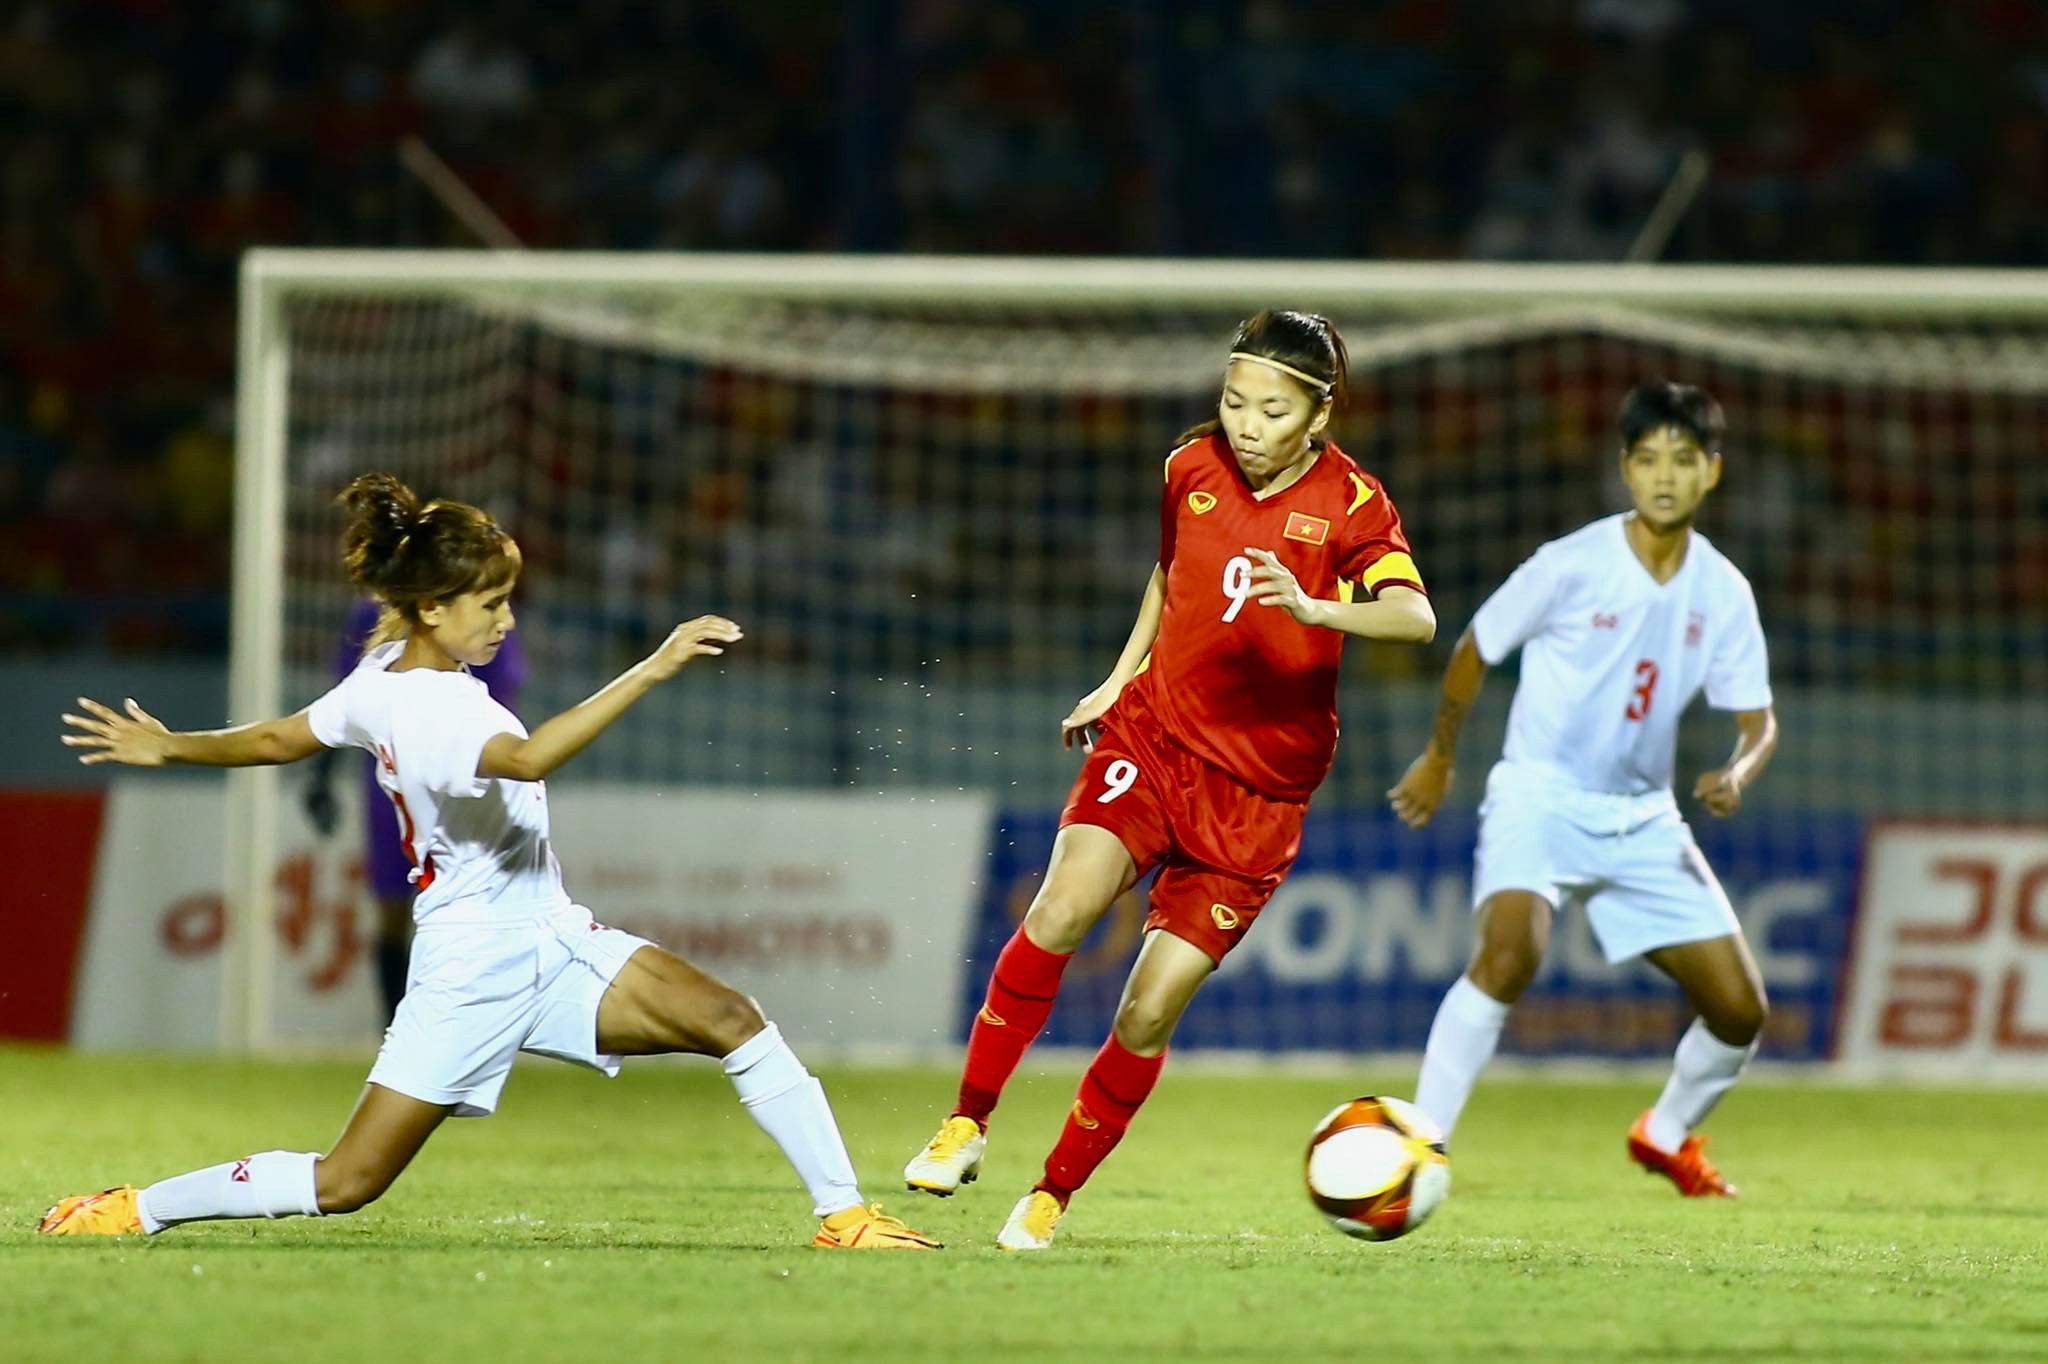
(1503,967)
(1144,1024)
(1740,1022)
(1058,919)
(726,1021)
(1514,931)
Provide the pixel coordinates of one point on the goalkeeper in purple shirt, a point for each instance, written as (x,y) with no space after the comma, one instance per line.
(384,860)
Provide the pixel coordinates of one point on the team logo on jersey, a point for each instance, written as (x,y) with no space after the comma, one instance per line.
(1361,495)
(1200,502)
(1226,918)
(1310,530)
(240,1174)
(989,1017)
(1695,629)
(1606,620)
(1083,1119)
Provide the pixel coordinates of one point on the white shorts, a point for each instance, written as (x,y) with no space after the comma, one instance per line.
(1630,860)
(478,995)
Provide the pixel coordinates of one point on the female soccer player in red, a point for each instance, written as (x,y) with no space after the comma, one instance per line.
(503,960)
(1204,743)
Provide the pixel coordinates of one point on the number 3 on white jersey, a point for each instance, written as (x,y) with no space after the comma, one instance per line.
(1119,775)
(1237,585)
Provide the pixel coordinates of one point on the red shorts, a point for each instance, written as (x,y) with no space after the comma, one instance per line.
(1222,848)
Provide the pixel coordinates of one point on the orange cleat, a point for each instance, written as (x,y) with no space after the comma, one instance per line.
(110,1212)
(1689,1169)
(859,1228)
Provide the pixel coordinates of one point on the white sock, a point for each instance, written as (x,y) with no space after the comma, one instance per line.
(1461,1042)
(1704,1069)
(270,1184)
(790,1105)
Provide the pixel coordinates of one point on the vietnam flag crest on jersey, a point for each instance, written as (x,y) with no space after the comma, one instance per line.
(1244,686)
(1310,530)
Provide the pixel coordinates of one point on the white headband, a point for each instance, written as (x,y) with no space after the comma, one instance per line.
(1321,385)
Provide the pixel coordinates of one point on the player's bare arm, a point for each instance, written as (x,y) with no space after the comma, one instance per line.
(1756,740)
(1095,704)
(1399,615)
(1427,781)
(569,733)
(139,739)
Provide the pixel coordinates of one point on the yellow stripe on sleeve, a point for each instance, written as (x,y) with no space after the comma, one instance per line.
(1396,566)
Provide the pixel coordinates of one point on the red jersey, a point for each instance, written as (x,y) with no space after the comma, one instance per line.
(1244,686)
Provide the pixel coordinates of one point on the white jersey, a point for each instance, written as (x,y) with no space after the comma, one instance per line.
(1610,657)
(479,845)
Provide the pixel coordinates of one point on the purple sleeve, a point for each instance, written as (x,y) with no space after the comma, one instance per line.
(505,675)
(362,618)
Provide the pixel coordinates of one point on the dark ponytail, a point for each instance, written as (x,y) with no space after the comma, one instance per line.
(406,554)
(1307,343)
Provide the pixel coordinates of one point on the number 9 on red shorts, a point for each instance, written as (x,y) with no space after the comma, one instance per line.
(1221,848)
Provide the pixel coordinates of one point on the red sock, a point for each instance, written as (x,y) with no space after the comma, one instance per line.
(1020,996)
(1115,1087)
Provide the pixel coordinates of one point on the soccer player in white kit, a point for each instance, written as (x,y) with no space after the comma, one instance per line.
(503,961)
(1621,624)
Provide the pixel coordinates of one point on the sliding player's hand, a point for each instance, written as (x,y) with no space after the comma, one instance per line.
(1090,708)
(1274,584)
(1421,790)
(137,739)
(1719,792)
(691,640)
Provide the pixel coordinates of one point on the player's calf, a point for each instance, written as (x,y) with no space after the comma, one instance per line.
(346,1188)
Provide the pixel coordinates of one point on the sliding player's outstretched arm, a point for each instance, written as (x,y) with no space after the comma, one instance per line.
(1756,739)
(1095,704)
(139,739)
(569,733)
(1427,781)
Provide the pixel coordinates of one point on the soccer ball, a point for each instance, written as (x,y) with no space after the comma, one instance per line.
(1376,1168)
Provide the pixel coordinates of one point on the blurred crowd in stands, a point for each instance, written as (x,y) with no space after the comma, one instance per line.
(144,144)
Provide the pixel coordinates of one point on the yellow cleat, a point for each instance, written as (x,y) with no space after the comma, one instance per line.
(1032,1222)
(110,1212)
(859,1228)
(950,1159)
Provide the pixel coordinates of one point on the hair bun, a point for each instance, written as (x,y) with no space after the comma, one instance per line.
(382,512)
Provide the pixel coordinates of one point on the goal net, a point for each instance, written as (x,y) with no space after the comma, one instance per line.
(928,491)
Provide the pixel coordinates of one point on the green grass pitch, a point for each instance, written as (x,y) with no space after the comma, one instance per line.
(646,1218)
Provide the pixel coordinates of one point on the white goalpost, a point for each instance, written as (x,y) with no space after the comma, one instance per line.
(928,487)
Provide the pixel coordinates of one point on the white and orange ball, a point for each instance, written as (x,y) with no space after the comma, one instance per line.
(1376,1168)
